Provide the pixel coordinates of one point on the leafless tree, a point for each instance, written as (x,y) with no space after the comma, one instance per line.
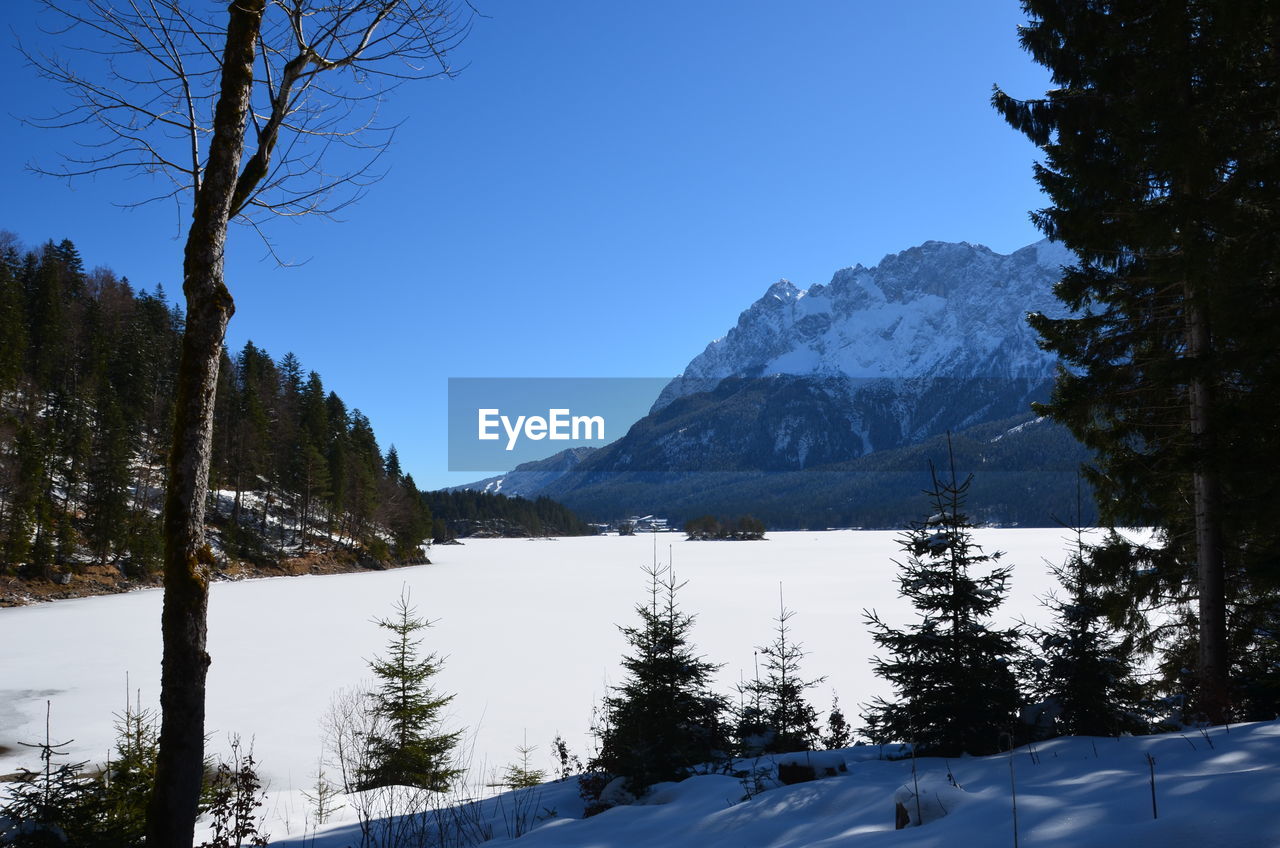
(349,721)
(238,111)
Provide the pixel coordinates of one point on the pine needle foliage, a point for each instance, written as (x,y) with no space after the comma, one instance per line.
(407,746)
(522,774)
(838,733)
(778,706)
(951,672)
(1084,668)
(1159,161)
(69,803)
(663,720)
(131,774)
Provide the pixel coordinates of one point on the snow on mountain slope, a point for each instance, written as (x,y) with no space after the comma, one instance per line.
(937,310)
(528,479)
(932,340)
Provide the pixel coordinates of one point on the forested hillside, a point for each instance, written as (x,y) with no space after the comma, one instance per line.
(1025,475)
(298,481)
(463,512)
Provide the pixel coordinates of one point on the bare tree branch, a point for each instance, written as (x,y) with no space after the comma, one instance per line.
(325,69)
(180,99)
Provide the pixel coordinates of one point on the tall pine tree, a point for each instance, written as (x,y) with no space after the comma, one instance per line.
(408,746)
(779,719)
(954,687)
(1084,670)
(1163,169)
(663,720)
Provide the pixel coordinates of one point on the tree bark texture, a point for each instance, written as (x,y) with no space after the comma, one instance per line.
(1215,695)
(179,768)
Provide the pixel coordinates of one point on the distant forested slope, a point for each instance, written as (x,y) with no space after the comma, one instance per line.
(464,512)
(87,367)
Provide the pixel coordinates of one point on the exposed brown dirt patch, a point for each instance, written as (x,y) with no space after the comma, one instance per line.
(91,580)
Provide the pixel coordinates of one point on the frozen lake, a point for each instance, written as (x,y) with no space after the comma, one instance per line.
(528,629)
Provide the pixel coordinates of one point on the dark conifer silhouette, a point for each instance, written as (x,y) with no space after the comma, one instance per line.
(952,676)
(663,719)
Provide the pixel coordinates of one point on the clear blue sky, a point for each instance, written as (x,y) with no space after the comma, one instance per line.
(599,193)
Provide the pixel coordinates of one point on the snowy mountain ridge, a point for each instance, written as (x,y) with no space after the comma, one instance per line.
(931,341)
(937,310)
(528,479)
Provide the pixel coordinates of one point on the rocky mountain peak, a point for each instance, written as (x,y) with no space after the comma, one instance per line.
(940,309)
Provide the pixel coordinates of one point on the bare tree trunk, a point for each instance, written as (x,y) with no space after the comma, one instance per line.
(179,767)
(154,122)
(1215,695)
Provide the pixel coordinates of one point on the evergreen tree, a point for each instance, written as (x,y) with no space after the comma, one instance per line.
(87,375)
(311,466)
(313,486)
(30,522)
(23,488)
(108,478)
(251,442)
(226,467)
(52,807)
(126,784)
(1258,676)
(13,331)
(663,720)
(392,463)
(951,673)
(364,469)
(290,371)
(522,775)
(1084,671)
(67,804)
(407,746)
(838,733)
(1161,162)
(410,520)
(313,410)
(336,452)
(49,300)
(778,705)
(441,531)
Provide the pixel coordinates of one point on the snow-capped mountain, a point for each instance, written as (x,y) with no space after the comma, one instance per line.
(929,341)
(940,310)
(528,479)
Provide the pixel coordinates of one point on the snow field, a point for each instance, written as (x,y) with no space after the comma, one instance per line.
(1219,788)
(528,630)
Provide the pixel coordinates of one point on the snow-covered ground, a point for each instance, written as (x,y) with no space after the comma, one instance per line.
(529,630)
(1216,788)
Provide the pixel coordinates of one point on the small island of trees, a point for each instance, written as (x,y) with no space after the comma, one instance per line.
(709,527)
